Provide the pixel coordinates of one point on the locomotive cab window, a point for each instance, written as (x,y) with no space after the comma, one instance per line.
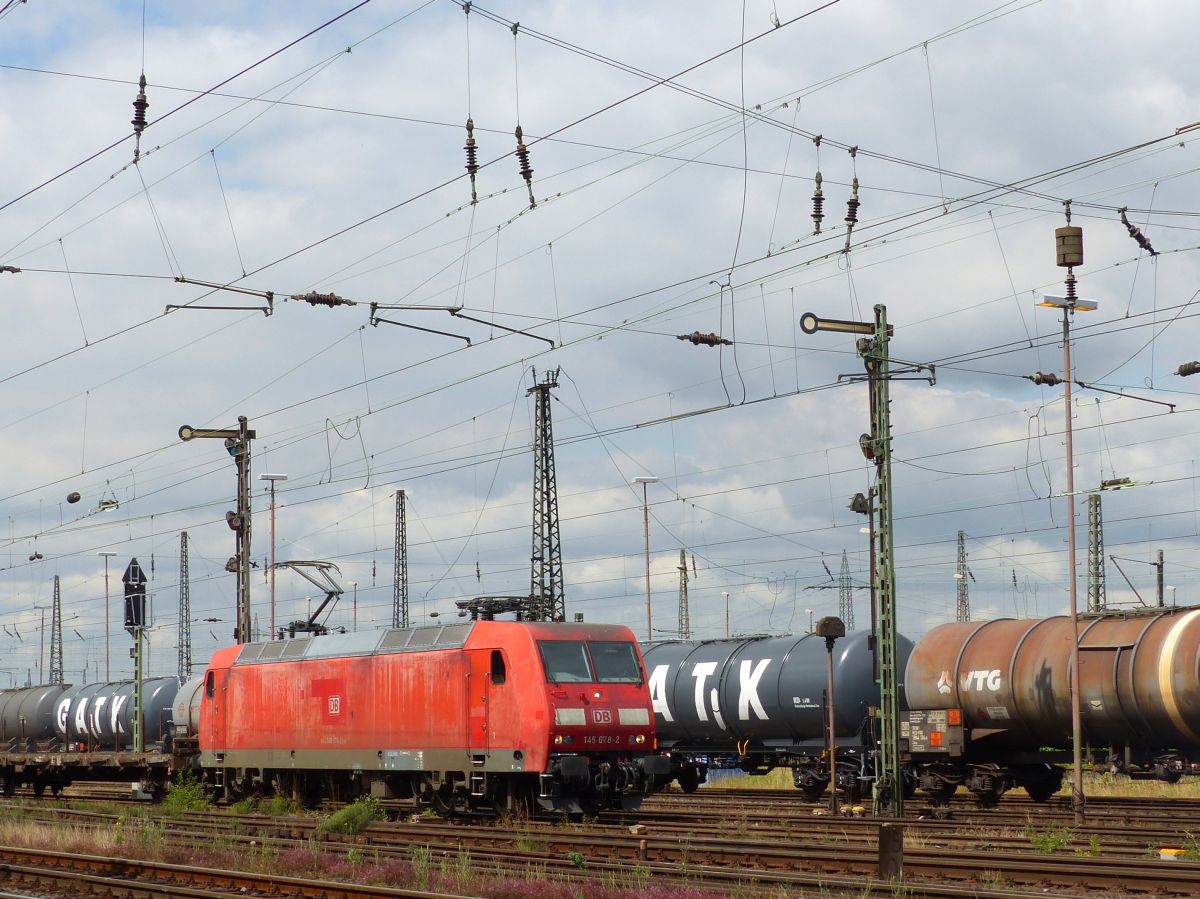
(210,682)
(499,672)
(616,663)
(566,661)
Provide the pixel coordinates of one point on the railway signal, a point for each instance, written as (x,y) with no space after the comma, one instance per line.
(872,347)
(237,443)
(135,622)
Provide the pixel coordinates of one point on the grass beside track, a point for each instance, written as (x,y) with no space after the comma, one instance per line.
(151,833)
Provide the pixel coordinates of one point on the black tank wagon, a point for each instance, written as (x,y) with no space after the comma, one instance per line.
(759,703)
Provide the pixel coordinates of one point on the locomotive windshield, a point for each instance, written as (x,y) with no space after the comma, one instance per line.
(616,663)
(570,662)
(566,661)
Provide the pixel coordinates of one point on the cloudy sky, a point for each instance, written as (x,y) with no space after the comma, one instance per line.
(319,147)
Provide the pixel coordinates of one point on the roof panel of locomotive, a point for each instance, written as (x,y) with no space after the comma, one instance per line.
(393,640)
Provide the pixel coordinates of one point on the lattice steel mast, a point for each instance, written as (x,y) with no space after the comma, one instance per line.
(685,624)
(1097,601)
(546,581)
(56,644)
(400,585)
(185,611)
(846,594)
(964,600)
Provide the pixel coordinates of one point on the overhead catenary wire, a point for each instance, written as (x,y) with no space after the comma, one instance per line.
(183,105)
(556,316)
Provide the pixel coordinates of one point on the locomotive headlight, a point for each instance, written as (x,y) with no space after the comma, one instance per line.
(639,739)
(563,739)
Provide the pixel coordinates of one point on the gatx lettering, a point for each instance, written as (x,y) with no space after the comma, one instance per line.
(707,699)
(978,680)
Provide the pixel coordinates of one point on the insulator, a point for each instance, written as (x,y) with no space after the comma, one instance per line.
(851,213)
(140,105)
(1071,286)
(472,158)
(1046,379)
(818,203)
(526,171)
(710,339)
(323,299)
(1188,368)
(1136,233)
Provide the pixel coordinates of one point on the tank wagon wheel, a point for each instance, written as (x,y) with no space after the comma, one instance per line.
(942,790)
(9,785)
(1041,782)
(1167,775)
(989,792)
(808,783)
(39,788)
(689,779)
(814,791)
(853,790)
(1041,792)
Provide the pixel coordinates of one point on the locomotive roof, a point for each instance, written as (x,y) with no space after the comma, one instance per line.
(408,639)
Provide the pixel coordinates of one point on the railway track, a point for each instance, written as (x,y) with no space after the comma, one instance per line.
(797,854)
(75,874)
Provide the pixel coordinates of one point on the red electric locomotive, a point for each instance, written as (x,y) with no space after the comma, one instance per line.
(484,714)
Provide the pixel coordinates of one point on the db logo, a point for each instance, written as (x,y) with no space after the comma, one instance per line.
(602,716)
(335,705)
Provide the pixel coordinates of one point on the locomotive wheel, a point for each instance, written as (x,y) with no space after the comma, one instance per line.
(442,800)
(9,786)
(522,798)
